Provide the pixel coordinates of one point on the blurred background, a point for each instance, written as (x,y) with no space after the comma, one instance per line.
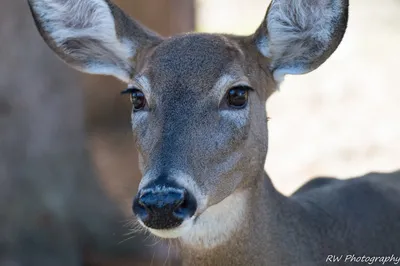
(68,166)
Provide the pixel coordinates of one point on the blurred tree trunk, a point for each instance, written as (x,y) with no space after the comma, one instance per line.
(52,210)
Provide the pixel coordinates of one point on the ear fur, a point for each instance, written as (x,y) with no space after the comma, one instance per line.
(93,36)
(299,35)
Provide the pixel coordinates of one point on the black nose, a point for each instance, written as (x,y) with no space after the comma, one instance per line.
(164,207)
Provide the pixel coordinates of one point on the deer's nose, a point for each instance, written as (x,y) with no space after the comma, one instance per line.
(164,207)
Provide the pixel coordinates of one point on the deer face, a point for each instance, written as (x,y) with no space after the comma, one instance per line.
(199,116)
(199,133)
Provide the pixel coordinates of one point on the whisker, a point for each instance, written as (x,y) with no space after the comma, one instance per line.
(152,258)
(123,241)
(169,249)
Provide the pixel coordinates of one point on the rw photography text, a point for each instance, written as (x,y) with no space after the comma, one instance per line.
(364,259)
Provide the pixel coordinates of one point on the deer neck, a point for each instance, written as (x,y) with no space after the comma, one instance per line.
(249,228)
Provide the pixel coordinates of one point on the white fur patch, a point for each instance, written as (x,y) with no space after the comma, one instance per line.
(99,69)
(239,117)
(222,84)
(144,84)
(80,19)
(217,223)
(183,229)
(279,74)
(138,118)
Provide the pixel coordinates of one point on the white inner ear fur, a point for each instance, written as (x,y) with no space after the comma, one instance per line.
(294,28)
(92,19)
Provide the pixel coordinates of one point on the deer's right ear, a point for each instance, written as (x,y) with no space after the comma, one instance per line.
(93,36)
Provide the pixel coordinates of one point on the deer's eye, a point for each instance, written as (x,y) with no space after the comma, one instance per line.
(137,98)
(237,97)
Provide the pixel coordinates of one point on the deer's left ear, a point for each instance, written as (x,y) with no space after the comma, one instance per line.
(299,35)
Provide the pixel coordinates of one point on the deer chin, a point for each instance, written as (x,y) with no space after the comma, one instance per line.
(212,227)
(176,232)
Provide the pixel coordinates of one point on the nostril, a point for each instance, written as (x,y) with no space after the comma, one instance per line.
(182,211)
(140,209)
(186,208)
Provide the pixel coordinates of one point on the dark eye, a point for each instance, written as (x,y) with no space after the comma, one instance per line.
(237,97)
(137,98)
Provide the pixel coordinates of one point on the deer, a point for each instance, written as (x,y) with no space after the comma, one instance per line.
(200,125)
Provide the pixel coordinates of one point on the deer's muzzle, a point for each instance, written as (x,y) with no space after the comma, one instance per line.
(164,206)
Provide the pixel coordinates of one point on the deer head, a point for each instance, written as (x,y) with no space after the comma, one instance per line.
(199,116)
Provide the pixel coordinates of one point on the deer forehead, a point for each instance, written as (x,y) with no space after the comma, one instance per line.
(192,63)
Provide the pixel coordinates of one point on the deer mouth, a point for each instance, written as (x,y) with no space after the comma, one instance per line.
(212,225)
(177,232)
